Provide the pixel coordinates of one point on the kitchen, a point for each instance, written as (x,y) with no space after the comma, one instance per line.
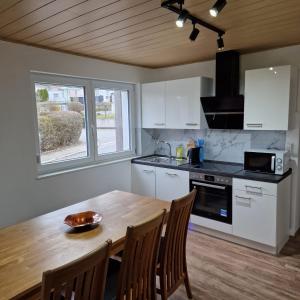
(249,162)
(230,195)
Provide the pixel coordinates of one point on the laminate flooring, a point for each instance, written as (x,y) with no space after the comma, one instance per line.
(223,270)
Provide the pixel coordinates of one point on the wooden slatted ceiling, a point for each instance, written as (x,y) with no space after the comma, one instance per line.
(140,32)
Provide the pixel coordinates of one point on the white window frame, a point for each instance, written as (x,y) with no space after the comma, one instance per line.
(100,84)
(89,86)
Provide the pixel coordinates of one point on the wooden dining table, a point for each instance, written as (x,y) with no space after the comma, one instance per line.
(29,248)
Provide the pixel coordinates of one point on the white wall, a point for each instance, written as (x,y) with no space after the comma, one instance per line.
(22,196)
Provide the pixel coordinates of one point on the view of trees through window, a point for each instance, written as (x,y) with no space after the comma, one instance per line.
(63,125)
(61,122)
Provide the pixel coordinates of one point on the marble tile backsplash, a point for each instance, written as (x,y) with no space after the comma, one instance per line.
(222,145)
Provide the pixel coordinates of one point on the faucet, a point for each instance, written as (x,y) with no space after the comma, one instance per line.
(170,149)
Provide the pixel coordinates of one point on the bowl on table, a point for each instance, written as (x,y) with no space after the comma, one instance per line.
(83,219)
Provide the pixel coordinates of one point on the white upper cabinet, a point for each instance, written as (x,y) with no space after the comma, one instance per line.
(182,104)
(183,107)
(153,105)
(267,98)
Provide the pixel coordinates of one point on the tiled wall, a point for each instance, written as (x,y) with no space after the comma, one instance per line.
(222,145)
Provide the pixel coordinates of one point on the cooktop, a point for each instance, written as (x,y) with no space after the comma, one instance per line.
(218,167)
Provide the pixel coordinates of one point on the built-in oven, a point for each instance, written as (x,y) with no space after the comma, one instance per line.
(213,198)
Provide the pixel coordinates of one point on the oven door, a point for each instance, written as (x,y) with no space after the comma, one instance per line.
(259,162)
(213,201)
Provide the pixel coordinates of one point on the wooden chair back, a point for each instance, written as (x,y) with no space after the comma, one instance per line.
(172,259)
(82,279)
(137,278)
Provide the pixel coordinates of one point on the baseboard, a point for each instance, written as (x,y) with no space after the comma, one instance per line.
(236,240)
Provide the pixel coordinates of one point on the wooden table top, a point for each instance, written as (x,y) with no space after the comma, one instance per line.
(28,249)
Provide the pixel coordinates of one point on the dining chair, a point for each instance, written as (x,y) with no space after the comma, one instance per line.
(172,266)
(81,279)
(137,277)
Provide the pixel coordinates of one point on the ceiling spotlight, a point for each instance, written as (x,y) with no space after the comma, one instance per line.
(220,43)
(216,9)
(194,33)
(182,18)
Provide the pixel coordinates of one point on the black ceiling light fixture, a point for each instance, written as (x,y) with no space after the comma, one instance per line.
(220,43)
(194,33)
(182,18)
(216,9)
(176,6)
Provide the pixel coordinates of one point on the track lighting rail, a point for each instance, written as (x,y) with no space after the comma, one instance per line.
(176,6)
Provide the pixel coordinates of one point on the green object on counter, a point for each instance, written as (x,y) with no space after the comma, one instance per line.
(179,152)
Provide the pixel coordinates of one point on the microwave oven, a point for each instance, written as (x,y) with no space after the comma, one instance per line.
(267,161)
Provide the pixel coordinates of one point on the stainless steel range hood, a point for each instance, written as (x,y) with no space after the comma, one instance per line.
(226,109)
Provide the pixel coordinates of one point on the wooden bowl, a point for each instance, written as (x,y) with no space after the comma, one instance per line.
(82,219)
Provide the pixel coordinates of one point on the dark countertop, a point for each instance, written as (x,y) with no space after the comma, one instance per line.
(240,173)
(262,177)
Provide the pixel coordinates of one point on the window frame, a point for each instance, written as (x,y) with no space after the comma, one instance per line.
(101,84)
(89,86)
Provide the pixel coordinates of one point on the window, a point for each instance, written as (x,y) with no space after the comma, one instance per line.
(81,121)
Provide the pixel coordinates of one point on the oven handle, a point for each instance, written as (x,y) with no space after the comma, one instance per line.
(219,187)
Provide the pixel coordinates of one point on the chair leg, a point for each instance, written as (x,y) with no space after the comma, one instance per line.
(187,286)
(163,288)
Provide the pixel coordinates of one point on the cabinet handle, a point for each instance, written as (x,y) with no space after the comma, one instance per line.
(159,124)
(191,124)
(255,125)
(243,201)
(257,192)
(171,174)
(148,171)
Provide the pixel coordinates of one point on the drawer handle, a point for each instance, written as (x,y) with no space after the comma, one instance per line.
(243,201)
(148,171)
(171,174)
(191,124)
(257,192)
(256,125)
(159,124)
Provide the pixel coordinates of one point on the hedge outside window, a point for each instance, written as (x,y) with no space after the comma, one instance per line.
(80,121)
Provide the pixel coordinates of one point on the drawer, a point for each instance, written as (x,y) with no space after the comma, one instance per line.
(254,217)
(252,187)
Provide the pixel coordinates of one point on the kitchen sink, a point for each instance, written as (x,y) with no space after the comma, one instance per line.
(163,160)
(158,159)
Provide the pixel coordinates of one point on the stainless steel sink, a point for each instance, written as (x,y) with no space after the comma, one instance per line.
(158,159)
(164,160)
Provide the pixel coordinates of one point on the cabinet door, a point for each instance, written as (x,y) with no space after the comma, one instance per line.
(143,180)
(267,96)
(153,105)
(254,217)
(171,184)
(183,103)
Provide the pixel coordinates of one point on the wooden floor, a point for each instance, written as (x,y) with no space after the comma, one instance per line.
(222,270)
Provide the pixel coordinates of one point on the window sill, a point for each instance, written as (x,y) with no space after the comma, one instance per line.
(81,168)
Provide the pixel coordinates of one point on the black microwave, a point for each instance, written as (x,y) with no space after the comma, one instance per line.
(266,161)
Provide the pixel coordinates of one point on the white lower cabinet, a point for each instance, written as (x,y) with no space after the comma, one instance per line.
(171,184)
(143,180)
(261,211)
(254,217)
(161,183)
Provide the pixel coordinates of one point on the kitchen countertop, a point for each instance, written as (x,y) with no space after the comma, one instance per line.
(185,166)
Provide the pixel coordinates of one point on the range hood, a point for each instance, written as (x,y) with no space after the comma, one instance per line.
(226,109)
